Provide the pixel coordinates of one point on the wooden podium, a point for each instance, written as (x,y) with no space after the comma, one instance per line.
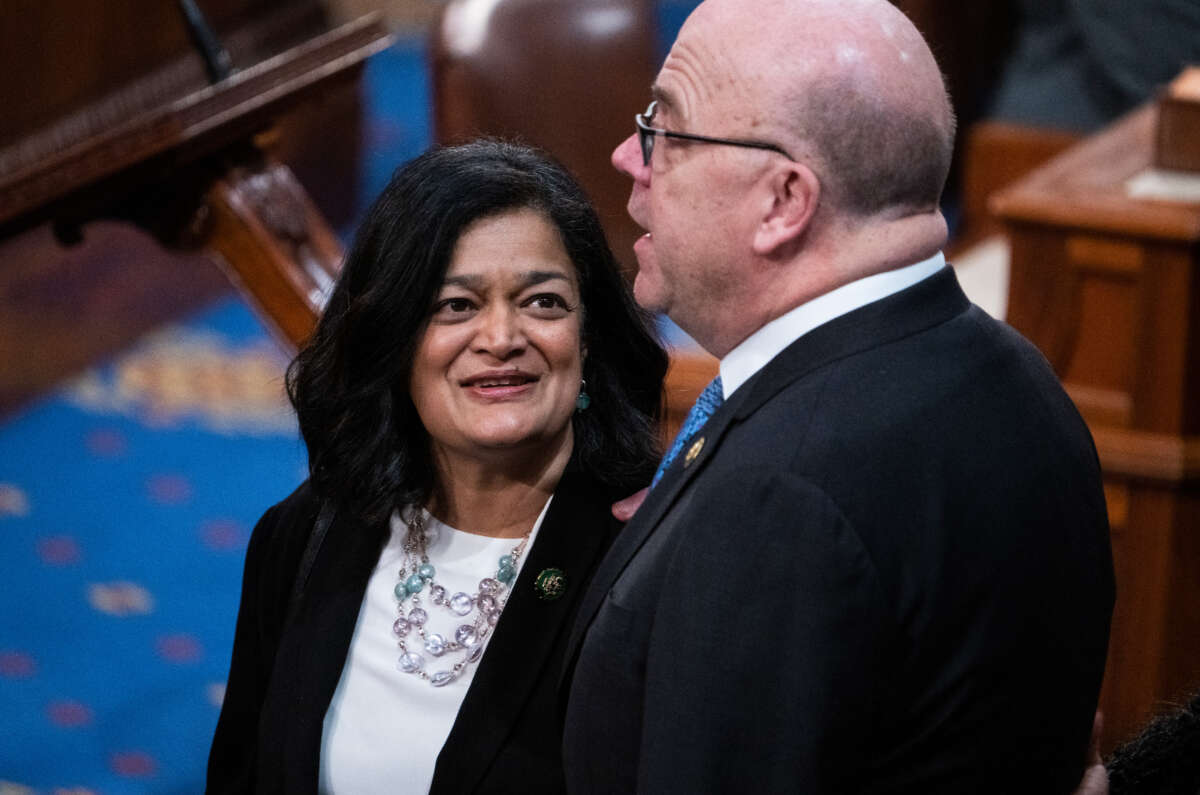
(111,116)
(1108,287)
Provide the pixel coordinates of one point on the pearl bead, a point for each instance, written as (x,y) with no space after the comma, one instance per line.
(425,571)
(461,603)
(435,644)
(442,678)
(465,634)
(410,662)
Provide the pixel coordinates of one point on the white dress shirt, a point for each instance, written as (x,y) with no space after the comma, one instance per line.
(753,353)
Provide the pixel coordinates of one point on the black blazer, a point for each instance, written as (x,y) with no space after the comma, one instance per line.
(508,731)
(886,570)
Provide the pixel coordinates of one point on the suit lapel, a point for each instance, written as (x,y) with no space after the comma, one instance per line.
(313,651)
(635,534)
(572,538)
(929,302)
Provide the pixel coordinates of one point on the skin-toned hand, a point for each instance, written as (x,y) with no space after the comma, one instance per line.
(1095,775)
(624,510)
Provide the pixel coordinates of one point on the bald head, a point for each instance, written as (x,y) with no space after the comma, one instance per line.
(848,85)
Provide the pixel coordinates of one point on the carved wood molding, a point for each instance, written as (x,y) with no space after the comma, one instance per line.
(274,244)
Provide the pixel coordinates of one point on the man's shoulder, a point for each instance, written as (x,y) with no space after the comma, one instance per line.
(966,396)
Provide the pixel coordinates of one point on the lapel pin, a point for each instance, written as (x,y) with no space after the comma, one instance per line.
(550,584)
(693,451)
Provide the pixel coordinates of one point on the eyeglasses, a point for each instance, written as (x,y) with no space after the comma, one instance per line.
(646,135)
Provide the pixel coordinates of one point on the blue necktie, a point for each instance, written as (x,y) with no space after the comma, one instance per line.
(709,401)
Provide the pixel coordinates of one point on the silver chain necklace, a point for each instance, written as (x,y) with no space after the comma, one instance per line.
(485,604)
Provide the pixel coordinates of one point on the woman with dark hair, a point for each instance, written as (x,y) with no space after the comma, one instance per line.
(479,391)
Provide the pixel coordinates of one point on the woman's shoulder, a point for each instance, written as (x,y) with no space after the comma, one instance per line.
(302,503)
(273,556)
(282,531)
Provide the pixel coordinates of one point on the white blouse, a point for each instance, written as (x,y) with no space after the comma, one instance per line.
(384,728)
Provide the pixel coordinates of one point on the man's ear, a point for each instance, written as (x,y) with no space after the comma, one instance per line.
(790,203)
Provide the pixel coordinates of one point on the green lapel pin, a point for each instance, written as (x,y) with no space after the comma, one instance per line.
(550,584)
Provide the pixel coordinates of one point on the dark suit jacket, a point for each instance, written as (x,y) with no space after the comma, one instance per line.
(887,570)
(509,729)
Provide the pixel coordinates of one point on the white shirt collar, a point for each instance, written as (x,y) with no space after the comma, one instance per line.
(753,353)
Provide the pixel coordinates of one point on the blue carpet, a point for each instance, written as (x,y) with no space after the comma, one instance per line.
(126,500)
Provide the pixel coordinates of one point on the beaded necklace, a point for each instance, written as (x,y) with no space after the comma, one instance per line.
(486,604)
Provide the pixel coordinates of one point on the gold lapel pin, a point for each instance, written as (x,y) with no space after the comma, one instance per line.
(693,451)
(550,584)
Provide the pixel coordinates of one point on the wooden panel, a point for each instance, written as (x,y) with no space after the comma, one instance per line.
(1158,605)
(1043,298)
(1107,287)
(1181,669)
(1104,357)
(119,44)
(1133,675)
(1168,339)
(565,77)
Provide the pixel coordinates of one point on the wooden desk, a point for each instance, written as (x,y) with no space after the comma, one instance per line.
(1108,287)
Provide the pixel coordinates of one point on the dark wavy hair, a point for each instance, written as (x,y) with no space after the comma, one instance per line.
(367,448)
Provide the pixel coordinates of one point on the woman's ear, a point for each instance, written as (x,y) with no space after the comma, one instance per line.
(789,204)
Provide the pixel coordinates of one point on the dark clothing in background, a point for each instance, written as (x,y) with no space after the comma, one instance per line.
(1078,64)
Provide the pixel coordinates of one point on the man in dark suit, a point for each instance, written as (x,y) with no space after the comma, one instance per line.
(882,564)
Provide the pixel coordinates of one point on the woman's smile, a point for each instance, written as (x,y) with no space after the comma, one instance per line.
(501,384)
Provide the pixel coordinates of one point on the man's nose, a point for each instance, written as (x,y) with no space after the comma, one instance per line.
(627,158)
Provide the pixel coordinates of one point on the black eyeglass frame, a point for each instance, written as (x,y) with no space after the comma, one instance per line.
(646,135)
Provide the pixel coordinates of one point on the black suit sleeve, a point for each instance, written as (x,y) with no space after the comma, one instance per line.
(764,664)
